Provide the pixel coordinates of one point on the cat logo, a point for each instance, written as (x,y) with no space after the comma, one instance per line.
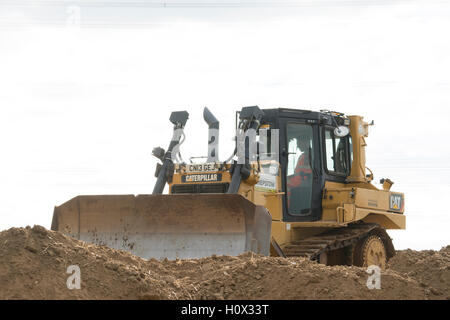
(396,202)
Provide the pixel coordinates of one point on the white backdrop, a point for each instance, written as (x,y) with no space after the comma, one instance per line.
(82,106)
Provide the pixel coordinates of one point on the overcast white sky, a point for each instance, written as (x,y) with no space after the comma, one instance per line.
(82,108)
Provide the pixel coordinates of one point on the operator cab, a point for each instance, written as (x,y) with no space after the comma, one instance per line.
(311,152)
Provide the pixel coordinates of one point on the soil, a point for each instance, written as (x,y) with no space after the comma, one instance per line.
(34,263)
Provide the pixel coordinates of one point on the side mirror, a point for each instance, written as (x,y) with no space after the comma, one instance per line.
(341,131)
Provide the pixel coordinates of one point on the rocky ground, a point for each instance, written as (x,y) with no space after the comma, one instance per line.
(34,262)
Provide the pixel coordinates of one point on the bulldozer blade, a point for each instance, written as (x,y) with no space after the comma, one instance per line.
(168,226)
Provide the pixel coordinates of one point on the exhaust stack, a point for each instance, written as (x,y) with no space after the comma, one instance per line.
(213,135)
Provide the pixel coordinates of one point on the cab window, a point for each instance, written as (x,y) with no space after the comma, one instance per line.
(336,155)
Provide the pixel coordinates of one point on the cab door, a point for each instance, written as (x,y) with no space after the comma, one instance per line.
(300,160)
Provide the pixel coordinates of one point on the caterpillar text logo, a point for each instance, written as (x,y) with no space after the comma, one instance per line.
(396,202)
(207,177)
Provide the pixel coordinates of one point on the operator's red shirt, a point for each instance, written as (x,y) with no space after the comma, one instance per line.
(302,172)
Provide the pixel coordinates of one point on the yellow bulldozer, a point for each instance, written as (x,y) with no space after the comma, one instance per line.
(296,185)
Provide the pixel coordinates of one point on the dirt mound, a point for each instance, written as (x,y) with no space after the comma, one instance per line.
(430,268)
(34,262)
(256,277)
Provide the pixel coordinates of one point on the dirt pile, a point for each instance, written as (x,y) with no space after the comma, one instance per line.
(430,268)
(34,262)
